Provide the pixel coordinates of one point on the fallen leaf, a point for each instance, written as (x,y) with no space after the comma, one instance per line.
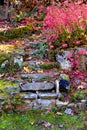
(40,71)
(16,76)
(26,69)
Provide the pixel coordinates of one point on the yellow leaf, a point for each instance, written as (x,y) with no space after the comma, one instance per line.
(26,69)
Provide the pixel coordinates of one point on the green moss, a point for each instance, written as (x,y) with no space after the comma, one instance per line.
(29,121)
(16,32)
(3,57)
(5,83)
(48,66)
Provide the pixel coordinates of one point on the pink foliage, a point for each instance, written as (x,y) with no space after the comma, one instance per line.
(82,52)
(65,16)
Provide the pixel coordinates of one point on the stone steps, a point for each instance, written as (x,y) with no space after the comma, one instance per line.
(44,95)
(39,76)
(36,86)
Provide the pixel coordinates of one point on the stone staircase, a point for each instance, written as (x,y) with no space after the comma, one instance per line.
(39,91)
(37,88)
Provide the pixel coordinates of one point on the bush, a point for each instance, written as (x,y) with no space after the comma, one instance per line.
(67,25)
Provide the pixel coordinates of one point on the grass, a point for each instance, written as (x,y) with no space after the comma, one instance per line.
(29,121)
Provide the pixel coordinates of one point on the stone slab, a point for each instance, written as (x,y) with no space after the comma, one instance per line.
(47,95)
(44,103)
(35,77)
(30,96)
(37,86)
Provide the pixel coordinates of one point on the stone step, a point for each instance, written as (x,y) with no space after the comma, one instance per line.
(35,77)
(37,86)
(41,64)
(40,76)
(44,103)
(33,96)
(41,103)
(48,95)
(30,96)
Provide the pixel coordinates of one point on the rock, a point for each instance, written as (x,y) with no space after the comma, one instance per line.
(83,101)
(69,111)
(81,105)
(64,76)
(59,114)
(30,96)
(37,86)
(35,77)
(2,103)
(61,125)
(18,60)
(28,101)
(48,104)
(64,82)
(61,104)
(47,95)
(3,65)
(83,55)
(1,98)
(71,105)
(62,58)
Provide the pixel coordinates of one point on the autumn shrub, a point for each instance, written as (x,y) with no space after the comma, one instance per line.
(66,26)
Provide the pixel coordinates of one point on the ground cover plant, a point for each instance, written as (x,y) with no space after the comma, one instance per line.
(39,119)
